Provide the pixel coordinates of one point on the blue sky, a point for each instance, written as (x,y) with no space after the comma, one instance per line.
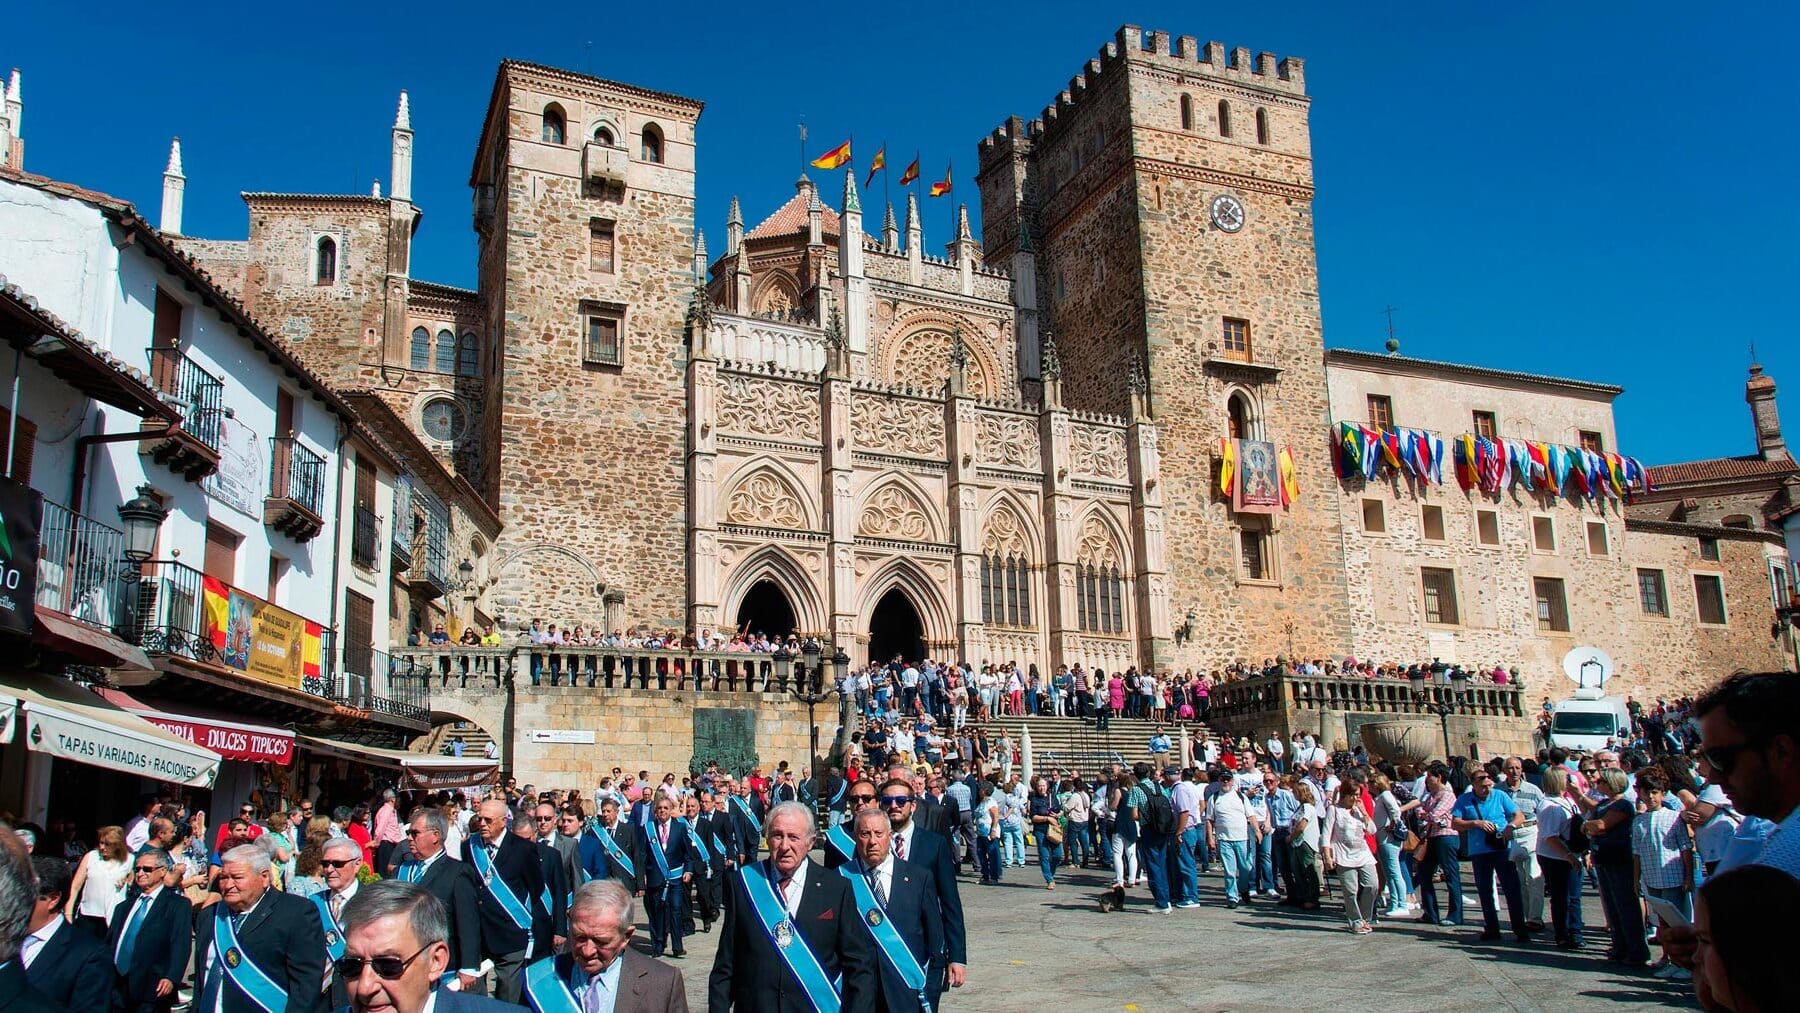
(1594,190)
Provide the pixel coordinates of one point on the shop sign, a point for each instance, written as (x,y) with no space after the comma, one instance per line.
(570,735)
(437,777)
(230,742)
(21,516)
(72,738)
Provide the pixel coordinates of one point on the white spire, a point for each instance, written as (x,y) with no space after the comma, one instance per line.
(174,167)
(12,111)
(403,116)
(174,187)
(400,166)
(734,228)
(375,189)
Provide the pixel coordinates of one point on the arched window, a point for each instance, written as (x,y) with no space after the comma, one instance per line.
(603,135)
(1187,113)
(1224,118)
(325,272)
(1012,592)
(987,589)
(446,352)
(1024,596)
(652,143)
(555,125)
(1241,418)
(1117,586)
(468,352)
(421,348)
(1262,126)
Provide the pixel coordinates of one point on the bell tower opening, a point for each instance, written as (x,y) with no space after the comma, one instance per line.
(895,628)
(766,610)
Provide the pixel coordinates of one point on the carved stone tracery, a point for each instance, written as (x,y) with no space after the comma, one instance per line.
(897,426)
(765,500)
(1097,546)
(1009,441)
(1099,452)
(758,407)
(893,512)
(1004,535)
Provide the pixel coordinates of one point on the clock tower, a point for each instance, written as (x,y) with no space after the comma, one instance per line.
(1168,195)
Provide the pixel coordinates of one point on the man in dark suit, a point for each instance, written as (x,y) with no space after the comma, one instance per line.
(513,918)
(551,830)
(277,933)
(673,862)
(814,908)
(454,885)
(622,862)
(931,853)
(68,965)
(746,810)
(555,894)
(396,950)
(902,895)
(600,956)
(718,840)
(936,792)
(18,893)
(152,962)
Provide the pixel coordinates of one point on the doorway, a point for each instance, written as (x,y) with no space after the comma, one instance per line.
(895,628)
(766,610)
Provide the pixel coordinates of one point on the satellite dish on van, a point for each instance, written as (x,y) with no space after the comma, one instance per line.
(1587,667)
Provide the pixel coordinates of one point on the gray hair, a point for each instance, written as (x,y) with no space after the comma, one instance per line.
(434,818)
(18,893)
(812,822)
(247,854)
(157,855)
(341,844)
(872,813)
(603,895)
(383,898)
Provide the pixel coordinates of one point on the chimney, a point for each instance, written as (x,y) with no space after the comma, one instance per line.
(1759,393)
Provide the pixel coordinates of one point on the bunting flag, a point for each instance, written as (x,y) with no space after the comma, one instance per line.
(1227,465)
(1290,482)
(942,186)
(834,158)
(1390,448)
(911,173)
(1437,460)
(1539,455)
(1348,450)
(1466,471)
(309,650)
(1485,463)
(878,163)
(1371,457)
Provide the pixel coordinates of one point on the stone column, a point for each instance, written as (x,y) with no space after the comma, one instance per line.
(838,444)
(965,520)
(702,474)
(1155,636)
(1060,537)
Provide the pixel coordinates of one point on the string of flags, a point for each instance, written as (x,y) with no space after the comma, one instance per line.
(840,156)
(1256,476)
(1490,465)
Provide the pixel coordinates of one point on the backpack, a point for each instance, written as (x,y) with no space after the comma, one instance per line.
(1158,813)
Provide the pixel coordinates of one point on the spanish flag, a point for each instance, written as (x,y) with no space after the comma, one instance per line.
(942,186)
(834,158)
(1290,483)
(911,173)
(879,163)
(1227,465)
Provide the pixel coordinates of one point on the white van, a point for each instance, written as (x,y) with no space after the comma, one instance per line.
(1586,720)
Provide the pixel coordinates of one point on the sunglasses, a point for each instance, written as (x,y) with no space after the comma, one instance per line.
(336,863)
(386,968)
(862,798)
(1722,758)
(414,833)
(146,869)
(896,801)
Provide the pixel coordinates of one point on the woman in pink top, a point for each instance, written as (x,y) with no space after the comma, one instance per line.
(1115,693)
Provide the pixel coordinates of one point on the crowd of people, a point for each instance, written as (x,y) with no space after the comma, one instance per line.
(413,900)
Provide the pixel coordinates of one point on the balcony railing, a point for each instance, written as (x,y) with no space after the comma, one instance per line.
(296,473)
(199,394)
(365,537)
(1233,702)
(79,562)
(371,680)
(598,668)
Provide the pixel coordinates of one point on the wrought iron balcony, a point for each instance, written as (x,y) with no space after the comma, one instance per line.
(191,449)
(370,680)
(79,562)
(296,498)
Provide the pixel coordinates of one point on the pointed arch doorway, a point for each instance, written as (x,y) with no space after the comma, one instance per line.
(766,609)
(896,628)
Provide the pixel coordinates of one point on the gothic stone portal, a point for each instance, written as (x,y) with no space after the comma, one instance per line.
(895,628)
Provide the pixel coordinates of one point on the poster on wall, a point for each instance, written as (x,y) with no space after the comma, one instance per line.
(242,473)
(1258,488)
(260,639)
(21,515)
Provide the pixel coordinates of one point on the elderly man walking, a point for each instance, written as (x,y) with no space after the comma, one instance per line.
(599,969)
(257,949)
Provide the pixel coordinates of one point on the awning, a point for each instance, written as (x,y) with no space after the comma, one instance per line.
(233,740)
(417,770)
(87,644)
(64,720)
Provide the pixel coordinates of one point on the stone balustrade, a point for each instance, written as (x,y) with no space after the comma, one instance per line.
(1236,704)
(595,667)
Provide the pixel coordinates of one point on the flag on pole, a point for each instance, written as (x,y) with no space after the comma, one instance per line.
(911,173)
(877,164)
(834,158)
(942,186)
(1227,465)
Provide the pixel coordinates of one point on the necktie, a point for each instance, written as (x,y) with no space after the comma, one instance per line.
(900,847)
(337,907)
(782,888)
(128,938)
(874,878)
(595,999)
(664,835)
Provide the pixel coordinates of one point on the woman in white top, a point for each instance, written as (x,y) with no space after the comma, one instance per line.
(1303,838)
(1561,867)
(1347,829)
(1076,808)
(99,882)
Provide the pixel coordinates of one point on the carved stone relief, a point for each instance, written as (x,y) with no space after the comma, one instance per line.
(757,407)
(1097,452)
(1004,535)
(1009,441)
(1097,547)
(895,513)
(897,426)
(764,500)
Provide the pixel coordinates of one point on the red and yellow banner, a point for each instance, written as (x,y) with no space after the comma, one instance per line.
(834,158)
(942,186)
(257,638)
(911,173)
(876,165)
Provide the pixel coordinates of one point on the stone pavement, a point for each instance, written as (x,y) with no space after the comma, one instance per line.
(1032,949)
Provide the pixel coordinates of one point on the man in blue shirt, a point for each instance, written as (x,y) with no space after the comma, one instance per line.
(1486,818)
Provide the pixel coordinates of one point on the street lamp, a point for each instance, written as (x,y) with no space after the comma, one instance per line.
(142,517)
(784,666)
(1444,703)
(813,690)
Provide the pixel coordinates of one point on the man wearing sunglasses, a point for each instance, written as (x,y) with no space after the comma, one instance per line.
(257,948)
(159,922)
(931,853)
(514,921)
(341,860)
(396,950)
(840,847)
(455,886)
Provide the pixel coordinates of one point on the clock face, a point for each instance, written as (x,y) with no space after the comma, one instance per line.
(442,419)
(1227,213)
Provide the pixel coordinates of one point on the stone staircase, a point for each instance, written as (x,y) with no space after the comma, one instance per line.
(438,741)
(1074,744)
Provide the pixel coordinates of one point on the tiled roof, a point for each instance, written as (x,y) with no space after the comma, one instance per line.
(130,377)
(1720,469)
(438,290)
(1351,356)
(791,218)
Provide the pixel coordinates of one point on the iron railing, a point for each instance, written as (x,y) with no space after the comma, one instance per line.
(79,562)
(1233,702)
(199,394)
(296,473)
(602,667)
(365,537)
(370,680)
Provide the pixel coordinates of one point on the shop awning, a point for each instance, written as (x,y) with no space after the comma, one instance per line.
(89,645)
(233,740)
(61,719)
(417,770)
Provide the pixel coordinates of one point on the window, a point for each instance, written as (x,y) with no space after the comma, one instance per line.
(1596,538)
(1709,598)
(1236,337)
(1431,523)
(603,135)
(1709,549)
(1591,440)
(1552,605)
(220,561)
(1485,425)
(1653,594)
(1224,118)
(1778,585)
(652,143)
(1374,516)
(442,419)
(325,267)
(1099,598)
(1487,527)
(600,246)
(1262,126)
(165,342)
(1741,521)
(1005,591)
(1240,419)
(601,343)
(1440,595)
(1381,411)
(1256,557)
(468,355)
(555,125)
(1187,113)
(278,568)
(446,352)
(421,349)
(1543,534)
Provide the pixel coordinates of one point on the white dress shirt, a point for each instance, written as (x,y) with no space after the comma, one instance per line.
(795,888)
(884,876)
(34,943)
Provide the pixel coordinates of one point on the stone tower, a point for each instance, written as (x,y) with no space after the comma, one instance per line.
(584,204)
(1168,194)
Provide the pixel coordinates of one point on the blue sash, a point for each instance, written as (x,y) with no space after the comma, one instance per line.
(843,786)
(546,989)
(750,813)
(699,843)
(411,872)
(759,885)
(662,859)
(613,850)
(875,916)
(242,971)
(334,933)
(509,901)
(839,838)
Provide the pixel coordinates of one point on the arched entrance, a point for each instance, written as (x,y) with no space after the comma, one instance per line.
(895,628)
(765,609)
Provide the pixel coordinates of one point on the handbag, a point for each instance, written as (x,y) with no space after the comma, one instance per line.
(1053,831)
(1419,849)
